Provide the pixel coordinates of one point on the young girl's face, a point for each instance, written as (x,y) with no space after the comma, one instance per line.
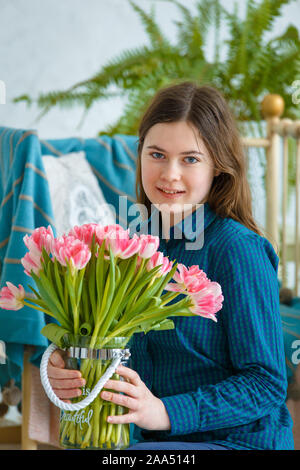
(174,158)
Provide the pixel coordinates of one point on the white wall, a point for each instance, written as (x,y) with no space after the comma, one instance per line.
(48,45)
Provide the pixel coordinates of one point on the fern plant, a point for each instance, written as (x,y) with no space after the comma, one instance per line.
(252,66)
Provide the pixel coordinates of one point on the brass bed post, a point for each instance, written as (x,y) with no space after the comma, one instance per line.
(272,108)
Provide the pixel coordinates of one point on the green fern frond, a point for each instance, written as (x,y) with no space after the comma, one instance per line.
(20,98)
(242,50)
(262,69)
(206,13)
(217,27)
(157,38)
(140,97)
(235,28)
(261,17)
(117,69)
(291,34)
(190,33)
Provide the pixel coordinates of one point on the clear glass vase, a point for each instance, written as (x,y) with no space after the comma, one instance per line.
(88,428)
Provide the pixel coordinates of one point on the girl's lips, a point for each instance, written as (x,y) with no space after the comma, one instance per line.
(169,195)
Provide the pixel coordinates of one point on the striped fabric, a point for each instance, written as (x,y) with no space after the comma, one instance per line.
(25,205)
(222,382)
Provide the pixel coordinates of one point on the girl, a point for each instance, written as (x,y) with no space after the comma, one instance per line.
(203,385)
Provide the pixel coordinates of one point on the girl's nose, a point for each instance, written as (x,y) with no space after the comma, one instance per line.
(171,172)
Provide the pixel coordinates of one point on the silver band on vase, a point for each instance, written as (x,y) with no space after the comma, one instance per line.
(90,353)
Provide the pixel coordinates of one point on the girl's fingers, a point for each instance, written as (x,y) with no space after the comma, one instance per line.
(125,387)
(64,382)
(57,373)
(56,360)
(119,399)
(130,374)
(67,384)
(122,419)
(65,394)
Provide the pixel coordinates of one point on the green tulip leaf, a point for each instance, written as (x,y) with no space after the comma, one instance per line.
(55,333)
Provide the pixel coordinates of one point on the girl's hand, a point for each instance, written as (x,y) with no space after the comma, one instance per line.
(64,382)
(145,410)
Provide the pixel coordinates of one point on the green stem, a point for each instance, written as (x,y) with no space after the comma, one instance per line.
(74,306)
(107,299)
(104,423)
(87,437)
(112,412)
(38,308)
(97,407)
(157,315)
(66,303)
(169,299)
(140,269)
(63,430)
(115,303)
(96,414)
(119,426)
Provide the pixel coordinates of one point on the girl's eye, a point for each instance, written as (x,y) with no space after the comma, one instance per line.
(190,159)
(156,153)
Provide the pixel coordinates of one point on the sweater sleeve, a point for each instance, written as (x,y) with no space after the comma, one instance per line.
(247,273)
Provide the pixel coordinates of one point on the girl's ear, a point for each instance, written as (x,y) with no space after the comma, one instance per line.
(217,173)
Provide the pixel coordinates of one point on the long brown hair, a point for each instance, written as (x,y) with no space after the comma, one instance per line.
(208,111)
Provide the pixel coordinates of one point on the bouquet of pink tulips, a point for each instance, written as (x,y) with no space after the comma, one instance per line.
(99,283)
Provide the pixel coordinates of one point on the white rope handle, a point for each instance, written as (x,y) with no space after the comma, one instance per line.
(86,401)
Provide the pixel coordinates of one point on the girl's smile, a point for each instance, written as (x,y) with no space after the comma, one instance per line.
(171,193)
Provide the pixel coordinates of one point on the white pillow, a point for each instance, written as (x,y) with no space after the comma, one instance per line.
(76,196)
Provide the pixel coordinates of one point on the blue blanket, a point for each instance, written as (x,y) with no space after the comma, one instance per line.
(26,205)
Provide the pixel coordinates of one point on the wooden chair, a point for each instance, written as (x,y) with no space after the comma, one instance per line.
(40,418)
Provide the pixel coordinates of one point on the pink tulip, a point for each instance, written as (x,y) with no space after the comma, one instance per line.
(41,238)
(158,259)
(12,297)
(190,279)
(123,247)
(84,233)
(69,249)
(206,296)
(208,301)
(111,231)
(31,265)
(148,246)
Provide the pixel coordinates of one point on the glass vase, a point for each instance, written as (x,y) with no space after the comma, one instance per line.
(88,428)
